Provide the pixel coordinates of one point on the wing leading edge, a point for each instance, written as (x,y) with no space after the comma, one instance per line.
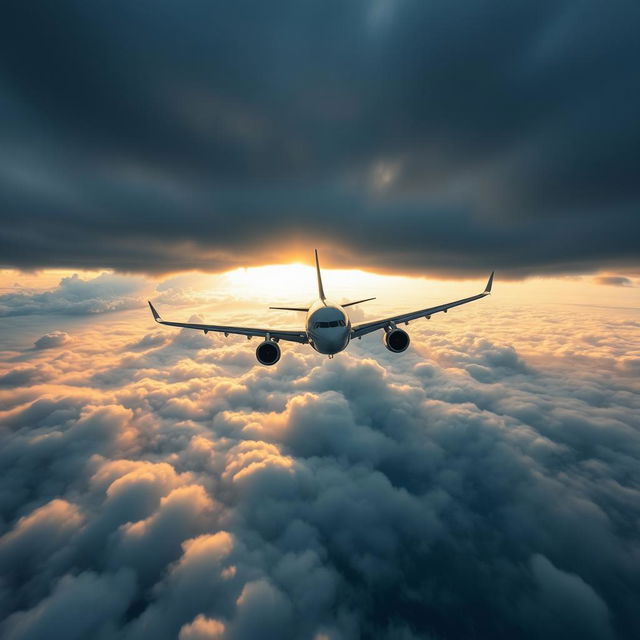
(275,334)
(368,327)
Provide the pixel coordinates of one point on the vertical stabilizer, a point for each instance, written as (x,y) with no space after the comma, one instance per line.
(320,288)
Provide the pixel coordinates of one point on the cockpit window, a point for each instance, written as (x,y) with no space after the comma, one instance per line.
(332,323)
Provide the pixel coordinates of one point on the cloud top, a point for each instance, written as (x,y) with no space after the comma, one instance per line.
(181,491)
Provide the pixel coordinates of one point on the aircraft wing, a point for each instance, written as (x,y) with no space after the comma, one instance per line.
(368,327)
(292,336)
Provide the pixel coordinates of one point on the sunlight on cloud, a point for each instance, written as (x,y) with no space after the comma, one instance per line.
(172,487)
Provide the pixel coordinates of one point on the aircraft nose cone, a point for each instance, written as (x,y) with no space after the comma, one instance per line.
(335,343)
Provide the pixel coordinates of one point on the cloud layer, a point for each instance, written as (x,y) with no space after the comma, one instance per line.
(483,483)
(403,135)
(76,296)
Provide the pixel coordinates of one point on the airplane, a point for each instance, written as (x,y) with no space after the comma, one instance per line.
(328,328)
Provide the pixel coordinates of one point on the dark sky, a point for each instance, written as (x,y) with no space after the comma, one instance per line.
(425,137)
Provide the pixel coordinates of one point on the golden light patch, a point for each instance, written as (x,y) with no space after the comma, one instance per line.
(252,456)
(209,546)
(272,279)
(184,502)
(57,515)
(202,627)
(229,572)
(15,279)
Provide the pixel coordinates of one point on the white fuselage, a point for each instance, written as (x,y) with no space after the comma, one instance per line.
(328,327)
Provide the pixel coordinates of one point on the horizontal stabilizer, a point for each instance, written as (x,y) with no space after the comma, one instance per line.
(350,304)
(305,309)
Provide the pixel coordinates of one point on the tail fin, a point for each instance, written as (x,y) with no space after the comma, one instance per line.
(320,289)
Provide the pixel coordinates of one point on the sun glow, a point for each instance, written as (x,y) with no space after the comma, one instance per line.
(295,285)
(297,282)
(272,280)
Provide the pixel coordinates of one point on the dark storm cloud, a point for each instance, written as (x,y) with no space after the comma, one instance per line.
(406,135)
(458,490)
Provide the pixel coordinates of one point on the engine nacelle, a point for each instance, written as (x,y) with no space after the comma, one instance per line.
(396,340)
(268,352)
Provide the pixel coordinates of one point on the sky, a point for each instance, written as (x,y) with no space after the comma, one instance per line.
(405,135)
(159,483)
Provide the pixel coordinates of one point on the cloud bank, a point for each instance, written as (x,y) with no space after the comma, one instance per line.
(165,486)
(77,296)
(407,136)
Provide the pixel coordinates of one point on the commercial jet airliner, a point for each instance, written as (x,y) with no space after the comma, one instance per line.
(328,328)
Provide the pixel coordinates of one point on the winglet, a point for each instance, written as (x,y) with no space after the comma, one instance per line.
(489,283)
(156,315)
(320,288)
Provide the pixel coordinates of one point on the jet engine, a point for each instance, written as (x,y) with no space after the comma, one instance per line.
(268,352)
(396,340)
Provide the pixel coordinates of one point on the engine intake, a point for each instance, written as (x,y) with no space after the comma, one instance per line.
(268,352)
(396,340)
